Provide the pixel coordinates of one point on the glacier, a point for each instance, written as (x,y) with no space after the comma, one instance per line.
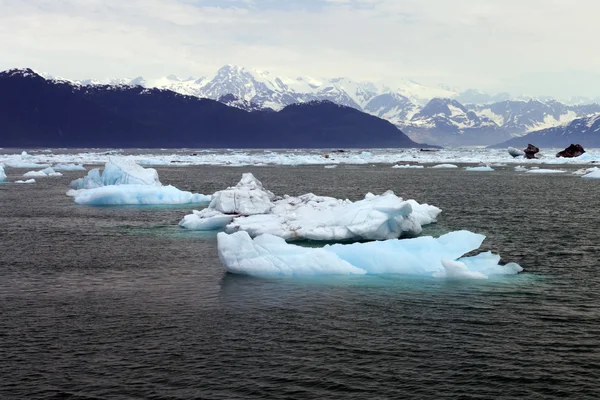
(269,255)
(251,208)
(123,182)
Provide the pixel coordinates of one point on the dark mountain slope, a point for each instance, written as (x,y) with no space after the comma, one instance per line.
(39,112)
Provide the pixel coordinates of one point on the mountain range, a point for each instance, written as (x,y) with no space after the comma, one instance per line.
(437,115)
(585,131)
(35,111)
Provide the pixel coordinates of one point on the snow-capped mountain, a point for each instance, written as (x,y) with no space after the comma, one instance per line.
(521,117)
(585,131)
(35,111)
(435,112)
(446,122)
(392,106)
(474,96)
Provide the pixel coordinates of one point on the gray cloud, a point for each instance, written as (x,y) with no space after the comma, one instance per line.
(531,46)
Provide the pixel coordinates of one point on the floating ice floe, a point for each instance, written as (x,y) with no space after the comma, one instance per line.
(124,182)
(24,160)
(445,166)
(269,255)
(27,181)
(2,173)
(236,158)
(516,152)
(592,173)
(520,168)
(408,166)
(330,166)
(486,168)
(45,173)
(249,207)
(68,167)
(545,171)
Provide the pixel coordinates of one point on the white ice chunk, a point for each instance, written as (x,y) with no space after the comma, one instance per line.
(445,166)
(136,195)
(206,220)
(480,169)
(124,182)
(594,173)
(520,168)
(69,167)
(545,171)
(27,181)
(248,197)
(457,270)
(408,166)
(2,173)
(250,208)
(330,166)
(17,163)
(42,174)
(118,171)
(516,152)
(424,256)
(327,219)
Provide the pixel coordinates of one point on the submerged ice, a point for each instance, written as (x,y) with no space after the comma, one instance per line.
(124,182)
(251,208)
(268,255)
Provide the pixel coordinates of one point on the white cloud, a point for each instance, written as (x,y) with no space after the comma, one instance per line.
(534,46)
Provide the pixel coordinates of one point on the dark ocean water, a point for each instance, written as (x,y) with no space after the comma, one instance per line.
(119,303)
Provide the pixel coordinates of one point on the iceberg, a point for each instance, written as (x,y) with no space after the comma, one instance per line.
(27,181)
(269,255)
(47,172)
(135,195)
(516,152)
(545,171)
(248,197)
(69,167)
(445,166)
(2,173)
(118,171)
(592,173)
(408,166)
(251,208)
(123,182)
(24,160)
(480,169)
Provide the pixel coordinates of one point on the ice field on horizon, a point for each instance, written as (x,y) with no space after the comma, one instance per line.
(249,207)
(123,182)
(442,257)
(234,157)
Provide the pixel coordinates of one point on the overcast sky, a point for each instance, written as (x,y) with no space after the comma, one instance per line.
(534,47)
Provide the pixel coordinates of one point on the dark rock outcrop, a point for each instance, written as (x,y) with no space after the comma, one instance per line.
(531,151)
(574,150)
